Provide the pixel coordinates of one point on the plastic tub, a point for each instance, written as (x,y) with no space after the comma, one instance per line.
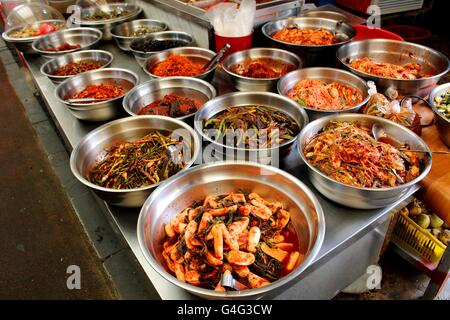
(411,33)
(364,32)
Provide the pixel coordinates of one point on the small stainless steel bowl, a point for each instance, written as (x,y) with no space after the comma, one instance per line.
(142,56)
(253,84)
(87,38)
(155,90)
(122,32)
(25,45)
(359,197)
(107,25)
(328,75)
(400,53)
(222,178)
(271,155)
(198,55)
(49,68)
(92,147)
(311,56)
(98,111)
(442,123)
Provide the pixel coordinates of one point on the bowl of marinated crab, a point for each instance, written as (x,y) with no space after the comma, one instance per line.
(231,230)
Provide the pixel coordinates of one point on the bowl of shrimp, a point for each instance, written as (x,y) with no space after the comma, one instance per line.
(232,230)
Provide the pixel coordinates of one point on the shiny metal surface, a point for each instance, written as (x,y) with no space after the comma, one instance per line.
(358,197)
(222,178)
(328,75)
(93,146)
(327,14)
(242,83)
(349,246)
(98,111)
(107,25)
(442,123)
(122,32)
(50,67)
(270,155)
(154,90)
(25,44)
(142,56)
(397,52)
(311,55)
(198,55)
(87,38)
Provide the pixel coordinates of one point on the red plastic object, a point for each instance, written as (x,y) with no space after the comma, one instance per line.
(411,33)
(365,32)
(236,43)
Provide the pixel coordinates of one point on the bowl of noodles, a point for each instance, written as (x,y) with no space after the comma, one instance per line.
(350,167)
(314,40)
(325,91)
(205,224)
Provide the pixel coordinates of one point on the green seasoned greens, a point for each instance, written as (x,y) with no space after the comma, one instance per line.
(442,104)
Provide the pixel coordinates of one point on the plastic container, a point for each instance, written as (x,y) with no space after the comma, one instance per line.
(9,5)
(417,241)
(411,33)
(236,43)
(364,32)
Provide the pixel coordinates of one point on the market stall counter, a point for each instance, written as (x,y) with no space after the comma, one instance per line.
(353,238)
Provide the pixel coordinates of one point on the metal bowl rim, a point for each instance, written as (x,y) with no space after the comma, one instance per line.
(98,33)
(359,105)
(305,118)
(166,27)
(156,265)
(433,95)
(127,108)
(73,166)
(362,117)
(145,66)
(95,104)
(7,38)
(287,53)
(159,33)
(107,53)
(137,10)
(264,31)
(368,75)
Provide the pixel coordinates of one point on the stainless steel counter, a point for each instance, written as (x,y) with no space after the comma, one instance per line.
(353,238)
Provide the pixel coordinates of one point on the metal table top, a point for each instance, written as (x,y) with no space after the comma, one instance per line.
(344,226)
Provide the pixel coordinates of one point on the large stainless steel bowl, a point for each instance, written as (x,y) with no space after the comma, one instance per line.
(97,111)
(198,55)
(311,56)
(397,52)
(87,38)
(253,84)
(92,147)
(122,33)
(328,75)
(442,123)
(142,56)
(155,90)
(25,45)
(50,67)
(271,155)
(358,197)
(108,24)
(222,178)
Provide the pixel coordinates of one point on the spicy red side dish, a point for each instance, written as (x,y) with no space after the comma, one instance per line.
(306,37)
(171,106)
(177,65)
(262,68)
(74,68)
(101,91)
(64,47)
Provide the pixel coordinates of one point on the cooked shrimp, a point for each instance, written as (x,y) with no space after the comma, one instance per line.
(179,272)
(256,281)
(278,254)
(285,246)
(235,198)
(282,220)
(212,260)
(196,242)
(211,202)
(243,240)
(169,262)
(216,232)
(237,227)
(263,213)
(240,258)
(293,258)
(204,222)
(192,277)
(178,223)
(175,254)
(223,211)
(192,214)
(189,233)
(228,238)
(245,210)
(254,236)
(170,233)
